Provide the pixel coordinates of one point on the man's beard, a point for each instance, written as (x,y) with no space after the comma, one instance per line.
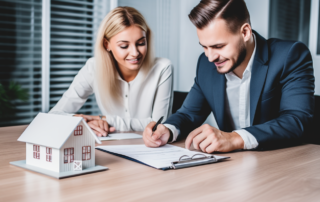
(242,56)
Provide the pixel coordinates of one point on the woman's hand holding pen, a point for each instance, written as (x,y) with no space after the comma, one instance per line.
(99,126)
(157,138)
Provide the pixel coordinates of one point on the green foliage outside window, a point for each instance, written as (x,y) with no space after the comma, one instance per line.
(9,94)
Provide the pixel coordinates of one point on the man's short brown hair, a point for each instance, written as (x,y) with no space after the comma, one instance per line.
(234,12)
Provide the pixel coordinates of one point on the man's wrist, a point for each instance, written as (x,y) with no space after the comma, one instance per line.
(171,136)
(237,140)
(173,131)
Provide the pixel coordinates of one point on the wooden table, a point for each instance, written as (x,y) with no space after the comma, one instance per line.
(291,174)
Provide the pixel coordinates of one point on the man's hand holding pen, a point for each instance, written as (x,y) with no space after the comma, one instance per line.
(156,134)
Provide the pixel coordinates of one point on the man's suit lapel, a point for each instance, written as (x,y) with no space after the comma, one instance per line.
(259,73)
(219,92)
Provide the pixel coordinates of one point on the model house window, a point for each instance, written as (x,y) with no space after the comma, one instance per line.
(78,131)
(49,154)
(86,153)
(36,151)
(68,155)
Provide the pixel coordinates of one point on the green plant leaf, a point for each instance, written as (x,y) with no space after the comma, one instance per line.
(9,94)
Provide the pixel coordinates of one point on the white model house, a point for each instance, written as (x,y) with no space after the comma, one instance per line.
(54,142)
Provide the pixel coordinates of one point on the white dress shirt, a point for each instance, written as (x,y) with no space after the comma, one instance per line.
(145,99)
(237,104)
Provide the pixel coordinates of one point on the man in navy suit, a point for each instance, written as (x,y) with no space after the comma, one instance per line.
(260,91)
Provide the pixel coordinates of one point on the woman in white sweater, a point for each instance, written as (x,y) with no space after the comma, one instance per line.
(132,88)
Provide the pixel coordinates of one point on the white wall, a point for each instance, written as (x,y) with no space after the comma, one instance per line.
(189,51)
(259,16)
(189,47)
(42,162)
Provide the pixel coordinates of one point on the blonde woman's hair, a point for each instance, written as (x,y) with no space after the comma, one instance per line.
(116,21)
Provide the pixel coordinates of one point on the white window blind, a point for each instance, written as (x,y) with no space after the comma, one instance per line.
(73,29)
(20,55)
(72,36)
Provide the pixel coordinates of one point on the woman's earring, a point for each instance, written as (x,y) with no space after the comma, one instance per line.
(108,50)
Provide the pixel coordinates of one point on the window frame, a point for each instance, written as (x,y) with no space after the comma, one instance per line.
(86,153)
(68,155)
(36,151)
(78,131)
(48,154)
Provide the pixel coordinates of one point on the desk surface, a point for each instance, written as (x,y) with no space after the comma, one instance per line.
(291,174)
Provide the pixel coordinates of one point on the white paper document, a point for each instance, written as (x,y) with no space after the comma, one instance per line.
(121,136)
(159,158)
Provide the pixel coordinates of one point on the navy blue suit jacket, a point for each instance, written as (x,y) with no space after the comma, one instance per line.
(281,94)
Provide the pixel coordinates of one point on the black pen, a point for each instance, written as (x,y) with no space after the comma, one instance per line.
(155,127)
